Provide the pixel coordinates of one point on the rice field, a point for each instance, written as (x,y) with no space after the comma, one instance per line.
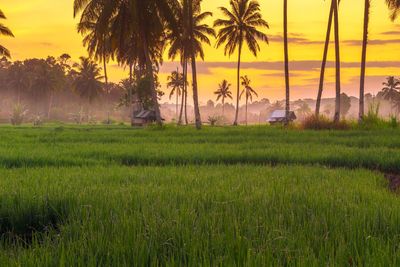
(256,196)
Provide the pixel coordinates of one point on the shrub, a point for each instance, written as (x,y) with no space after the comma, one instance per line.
(215,120)
(37,121)
(322,123)
(18,114)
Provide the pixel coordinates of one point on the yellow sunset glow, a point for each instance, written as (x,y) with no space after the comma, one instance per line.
(46,27)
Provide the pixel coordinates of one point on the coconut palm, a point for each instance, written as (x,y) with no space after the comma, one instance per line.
(186,42)
(337,55)
(87,82)
(394,7)
(323,65)
(133,38)
(367,5)
(391,88)
(176,83)
(240,27)
(248,91)
(286,51)
(198,33)
(223,92)
(4,31)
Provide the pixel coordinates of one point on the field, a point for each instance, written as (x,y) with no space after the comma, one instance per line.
(256,196)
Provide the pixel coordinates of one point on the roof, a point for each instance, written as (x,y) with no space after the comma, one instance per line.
(279,115)
(146,114)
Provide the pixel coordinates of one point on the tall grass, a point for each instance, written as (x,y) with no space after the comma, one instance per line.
(204,215)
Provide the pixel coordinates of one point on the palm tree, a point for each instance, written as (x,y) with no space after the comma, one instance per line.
(5,32)
(363,59)
(197,34)
(223,92)
(87,82)
(323,66)
(337,54)
(176,83)
(394,7)
(133,38)
(186,41)
(248,91)
(391,88)
(286,51)
(239,28)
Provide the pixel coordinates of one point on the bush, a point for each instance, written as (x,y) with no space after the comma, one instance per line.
(37,121)
(322,123)
(18,115)
(215,120)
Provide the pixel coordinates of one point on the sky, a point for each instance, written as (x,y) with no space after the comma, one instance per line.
(47,27)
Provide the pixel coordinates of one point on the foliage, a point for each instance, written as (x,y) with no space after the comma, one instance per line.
(5,32)
(18,114)
(322,123)
(215,120)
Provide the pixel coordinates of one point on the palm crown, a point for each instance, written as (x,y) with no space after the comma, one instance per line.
(5,32)
(240,26)
(394,7)
(247,90)
(176,83)
(223,90)
(391,87)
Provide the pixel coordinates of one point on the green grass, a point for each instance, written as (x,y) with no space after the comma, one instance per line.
(257,196)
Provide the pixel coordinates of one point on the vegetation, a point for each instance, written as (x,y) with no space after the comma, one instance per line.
(223,93)
(239,28)
(4,31)
(82,196)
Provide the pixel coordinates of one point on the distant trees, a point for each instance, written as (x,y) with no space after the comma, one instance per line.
(87,81)
(247,91)
(223,92)
(4,31)
(239,27)
(176,83)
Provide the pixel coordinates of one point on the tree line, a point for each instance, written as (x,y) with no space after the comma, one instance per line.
(136,33)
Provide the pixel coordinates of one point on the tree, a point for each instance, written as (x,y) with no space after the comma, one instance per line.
(345,104)
(367,5)
(323,65)
(337,55)
(87,82)
(286,52)
(304,109)
(391,88)
(223,92)
(240,27)
(176,83)
(394,8)
(4,31)
(197,34)
(134,39)
(248,91)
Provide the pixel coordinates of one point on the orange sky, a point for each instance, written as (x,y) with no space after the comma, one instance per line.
(46,27)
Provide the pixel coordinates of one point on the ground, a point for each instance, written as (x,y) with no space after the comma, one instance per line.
(246,196)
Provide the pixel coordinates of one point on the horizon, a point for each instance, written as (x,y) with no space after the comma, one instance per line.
(49,29)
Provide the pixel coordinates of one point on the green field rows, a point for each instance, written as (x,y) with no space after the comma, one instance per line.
(77,196)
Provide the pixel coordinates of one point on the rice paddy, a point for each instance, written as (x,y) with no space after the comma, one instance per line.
(256,196)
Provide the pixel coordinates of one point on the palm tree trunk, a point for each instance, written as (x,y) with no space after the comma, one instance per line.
(106,84)
(235,123)
(337,52)
(322,75)
(183,93)
(286,48)
(195,94)
(223,106)
(177,104)
(194,70)
(363,60)
(130,94)
(247,100)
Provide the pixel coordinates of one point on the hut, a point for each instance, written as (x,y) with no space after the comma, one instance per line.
(144,117)
(279,116)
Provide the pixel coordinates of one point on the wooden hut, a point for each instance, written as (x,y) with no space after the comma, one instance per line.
(279,116)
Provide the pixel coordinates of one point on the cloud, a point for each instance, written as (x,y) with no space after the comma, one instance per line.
(372,42)
(294,38)
(395,32)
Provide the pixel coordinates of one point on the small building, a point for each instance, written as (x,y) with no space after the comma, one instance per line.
(144,117)
(279,116)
